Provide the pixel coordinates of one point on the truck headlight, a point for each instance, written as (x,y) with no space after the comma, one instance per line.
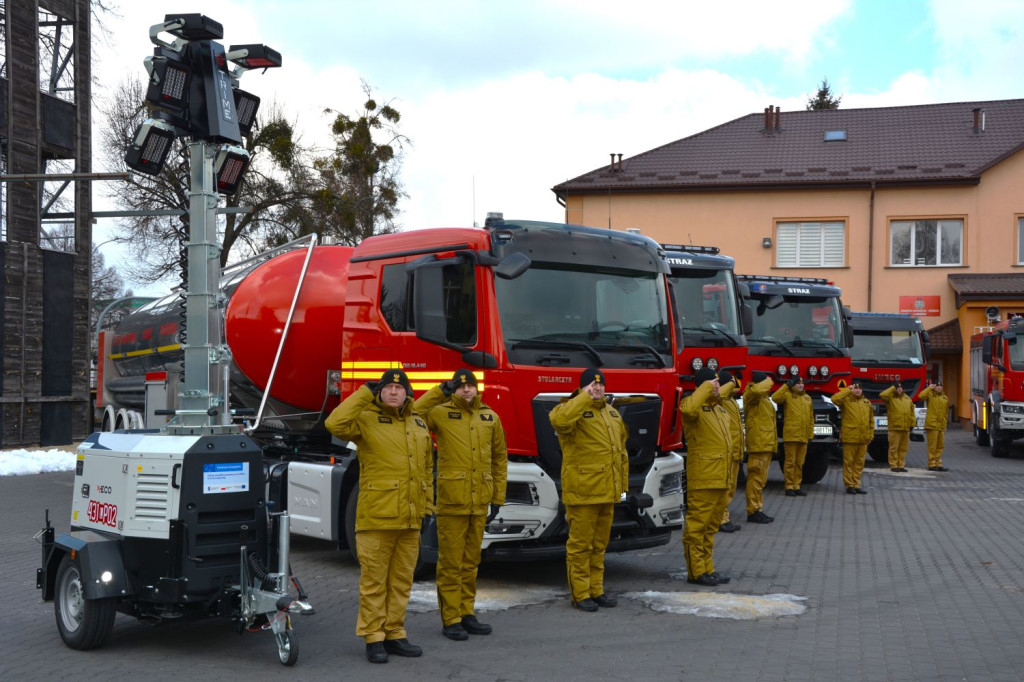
(812,370)
(696,364)
(824,371)
(670,484)
(1013,409)
(781,369)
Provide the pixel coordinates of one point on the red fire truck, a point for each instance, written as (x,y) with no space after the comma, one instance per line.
(526,305)
(713,318)
(997,385)
(800,328)
(888,349)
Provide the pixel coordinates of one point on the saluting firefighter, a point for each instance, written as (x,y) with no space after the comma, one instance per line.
(395,494)
(472,466)
(899,409)
(595,475)
(762,442)
(728,387)
(935,424)
(858,429)
(797,431)
(708,452)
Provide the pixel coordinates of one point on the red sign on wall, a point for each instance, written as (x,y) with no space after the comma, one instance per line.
(922,306)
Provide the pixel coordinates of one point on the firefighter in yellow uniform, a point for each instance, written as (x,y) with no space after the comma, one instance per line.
(797,431)
(899,410)
(762,442)
(595,475)
(472,466)
(858,429)
(935,424)
(395,494)
(727,390)
(708,459)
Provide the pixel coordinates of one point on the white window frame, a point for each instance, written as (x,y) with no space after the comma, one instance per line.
(810,244)
(1020,240)
(915,225)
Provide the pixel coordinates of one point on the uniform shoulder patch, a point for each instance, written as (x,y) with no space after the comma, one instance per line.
(614,414)
(588,414)
(383,420)
(420,423)
(486,417)
(455,415)
(705,408)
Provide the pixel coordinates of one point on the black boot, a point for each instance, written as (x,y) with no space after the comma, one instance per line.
(375,652)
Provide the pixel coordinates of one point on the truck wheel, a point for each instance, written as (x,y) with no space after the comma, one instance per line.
(999,444)
(287,647)
(980,436)
(879,451)
(816,466)
(82,623)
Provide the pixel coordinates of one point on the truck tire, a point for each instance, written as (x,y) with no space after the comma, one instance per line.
(879,451)
(424,570)
(999,444)
(980,435)
(816,465)
(82,623)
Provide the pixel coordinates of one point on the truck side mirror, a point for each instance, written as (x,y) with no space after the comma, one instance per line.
(513,265)
(747,319)
(986,350)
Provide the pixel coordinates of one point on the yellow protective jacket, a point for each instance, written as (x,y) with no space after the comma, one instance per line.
(797,415)
(396,472)
(938,409)
(595,466)
(725,392)
(472,460)
(900,410)
(858,417)
(708,439)
(759,414)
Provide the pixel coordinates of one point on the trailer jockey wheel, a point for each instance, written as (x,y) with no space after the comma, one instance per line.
(83,623)
(287,647)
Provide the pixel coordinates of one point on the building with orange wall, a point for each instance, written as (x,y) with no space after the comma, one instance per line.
(916,209)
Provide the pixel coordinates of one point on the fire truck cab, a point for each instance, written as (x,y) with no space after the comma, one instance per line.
(997,385)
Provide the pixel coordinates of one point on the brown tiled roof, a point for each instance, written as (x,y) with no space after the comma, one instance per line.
(925,144)
(998,286)
(946,338)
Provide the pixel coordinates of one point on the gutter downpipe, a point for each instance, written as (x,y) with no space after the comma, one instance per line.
(871,241)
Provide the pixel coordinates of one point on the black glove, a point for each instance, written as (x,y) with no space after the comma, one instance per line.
(448,387)
(372,385)
(791,383)
(494,512)
(426,522)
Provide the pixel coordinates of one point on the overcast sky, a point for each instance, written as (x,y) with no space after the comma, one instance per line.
(504,99)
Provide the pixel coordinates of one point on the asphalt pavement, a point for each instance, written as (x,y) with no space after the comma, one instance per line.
(920,579)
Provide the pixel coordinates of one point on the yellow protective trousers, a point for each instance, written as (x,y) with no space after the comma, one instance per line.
(703,510)
(936,444)
(458,555)
(793,469)
(899,443)
(387,560)
(757,475)
(734,474)
(590,527)
(853,463)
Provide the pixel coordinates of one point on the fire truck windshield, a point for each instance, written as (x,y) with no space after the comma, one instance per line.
(707,305)
(797,325)
(888,347)
(598,311)
(1016,353)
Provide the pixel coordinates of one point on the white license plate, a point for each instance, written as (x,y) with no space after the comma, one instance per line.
(823,430)
(881,422)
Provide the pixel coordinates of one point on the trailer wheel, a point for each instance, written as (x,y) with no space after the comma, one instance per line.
(287,647)
(82,623)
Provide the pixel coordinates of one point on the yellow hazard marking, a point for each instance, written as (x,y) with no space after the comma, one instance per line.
(149,351)
(842,383)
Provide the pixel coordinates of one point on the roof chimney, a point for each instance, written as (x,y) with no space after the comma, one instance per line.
(768,118)
(620,162)
(778,113)
(613,161)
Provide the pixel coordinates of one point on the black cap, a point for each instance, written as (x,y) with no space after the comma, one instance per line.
(395,376)
(463,377)
(591,375)
(705,374)
(725,376)
(855,384)
(759,376)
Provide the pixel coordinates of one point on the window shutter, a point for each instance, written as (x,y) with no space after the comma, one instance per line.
(835,245)
(786,245)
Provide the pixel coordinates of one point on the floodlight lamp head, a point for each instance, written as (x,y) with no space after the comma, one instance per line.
(229,167)
(255,56)
(185,27)
(149,149)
